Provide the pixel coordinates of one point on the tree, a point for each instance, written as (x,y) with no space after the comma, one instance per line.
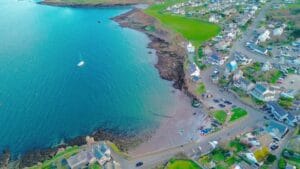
(270,159)
(261,154)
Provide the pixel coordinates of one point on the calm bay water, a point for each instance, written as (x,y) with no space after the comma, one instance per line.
(45,96)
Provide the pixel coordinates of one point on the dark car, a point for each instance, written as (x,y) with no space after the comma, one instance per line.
(227,102)
(216,100)
(274,147)
(222,105)
(266,118)
(139,164)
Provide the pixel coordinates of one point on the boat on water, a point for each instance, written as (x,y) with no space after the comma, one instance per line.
(81,63)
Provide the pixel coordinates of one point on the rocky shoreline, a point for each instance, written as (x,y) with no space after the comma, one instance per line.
(168,46)
(33,157)
(171,57)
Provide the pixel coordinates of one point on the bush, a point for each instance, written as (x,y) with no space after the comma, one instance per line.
(281,163)
(285,102)
(270,159)
(261,154)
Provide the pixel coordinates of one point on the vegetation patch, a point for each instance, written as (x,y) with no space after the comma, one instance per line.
(261,154)
(191,29)
(182,164)
(220,116)
(201,89)
(285,102)
(95,166)
(237,113)
(56,160)
(237,145)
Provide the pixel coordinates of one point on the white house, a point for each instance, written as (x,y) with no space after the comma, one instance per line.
(97,152)
(262,92)
(278,31)
(264,36)
(190,48)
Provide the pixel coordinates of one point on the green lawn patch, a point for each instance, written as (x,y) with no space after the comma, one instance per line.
(182,164)
(237,145)
(192,29)
(237,113)
(59,156)
(285,102)
(218,155)
(95,166)
(220,116)
(200,89)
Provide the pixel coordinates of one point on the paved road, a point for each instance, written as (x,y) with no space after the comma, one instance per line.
(239,45)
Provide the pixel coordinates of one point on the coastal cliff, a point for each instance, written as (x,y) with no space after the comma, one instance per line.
(168,46)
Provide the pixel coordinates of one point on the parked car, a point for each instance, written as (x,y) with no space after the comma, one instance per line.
(139,164)
(227,102)
(266,118)
(216,100)
(222,105)
(274,147)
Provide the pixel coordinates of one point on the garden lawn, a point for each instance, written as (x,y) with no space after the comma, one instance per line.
(237,145)
(220,116)
(182,164)
(237,113)
(64,154)
(201,89)
(193,30)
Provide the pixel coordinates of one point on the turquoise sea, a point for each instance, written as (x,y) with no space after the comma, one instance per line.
(45,97)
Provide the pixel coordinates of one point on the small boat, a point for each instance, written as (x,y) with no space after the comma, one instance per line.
(99,21)
(80,64)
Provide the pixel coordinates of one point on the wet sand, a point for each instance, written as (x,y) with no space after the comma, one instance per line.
(179,126)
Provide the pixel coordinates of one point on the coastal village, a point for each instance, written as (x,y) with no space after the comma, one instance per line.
(246,80)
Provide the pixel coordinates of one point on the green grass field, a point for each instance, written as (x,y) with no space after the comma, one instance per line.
(182,164)
(237,114)
(200,89)
(193,30)
(220,116)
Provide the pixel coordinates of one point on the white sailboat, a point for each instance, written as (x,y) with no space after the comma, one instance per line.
(81,63)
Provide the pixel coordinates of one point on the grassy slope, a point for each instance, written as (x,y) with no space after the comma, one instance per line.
(182,164)
(191,29)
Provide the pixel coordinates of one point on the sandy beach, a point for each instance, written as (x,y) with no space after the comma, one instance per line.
(179,126)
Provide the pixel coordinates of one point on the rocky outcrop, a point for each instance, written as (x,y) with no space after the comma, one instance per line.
(171,55)
(4,159)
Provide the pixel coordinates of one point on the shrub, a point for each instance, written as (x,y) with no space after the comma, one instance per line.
(270,159)
(281,163)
